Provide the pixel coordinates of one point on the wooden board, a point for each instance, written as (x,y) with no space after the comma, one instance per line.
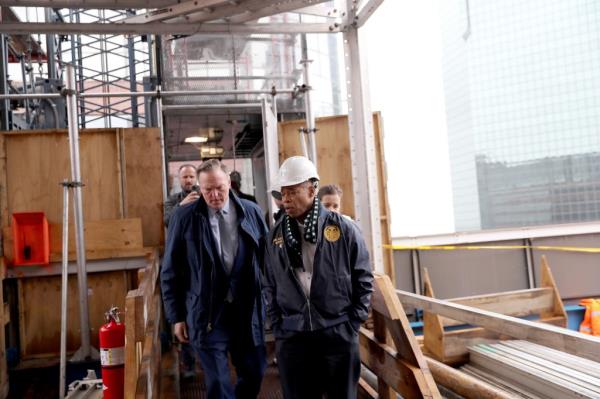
(333,153)
(39,310)
(142,181)
(334,165)
(100,235)
(36,163)
(548,335)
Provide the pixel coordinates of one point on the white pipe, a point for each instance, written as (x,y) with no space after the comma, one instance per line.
(64,290)
(84,351)
(310,119)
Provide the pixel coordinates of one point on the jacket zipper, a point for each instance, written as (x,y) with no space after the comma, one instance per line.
(310,325)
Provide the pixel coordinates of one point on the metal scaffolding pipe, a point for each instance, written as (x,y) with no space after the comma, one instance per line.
(161,129)
(154,93)
(29,96)
(210,106)
(64,291)
(310,118)
(84,351)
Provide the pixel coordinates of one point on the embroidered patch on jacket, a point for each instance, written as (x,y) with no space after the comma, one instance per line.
(332,233)
(278,241)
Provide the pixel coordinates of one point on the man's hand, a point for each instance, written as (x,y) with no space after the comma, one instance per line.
(191,197)
(180,331)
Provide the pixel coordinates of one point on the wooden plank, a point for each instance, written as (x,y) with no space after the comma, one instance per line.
(513,303)
(554,337)
(133,313)
(463,384)
(386,302)
(385,214)
(39,307)
(143,181)
(558,308)
(380,333)
(42,161)
(388,365)
(433,330)
(100,235)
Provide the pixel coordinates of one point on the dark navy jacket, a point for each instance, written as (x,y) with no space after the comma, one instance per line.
(341,284)
(193,279)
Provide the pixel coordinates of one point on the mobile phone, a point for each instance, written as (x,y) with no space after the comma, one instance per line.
(196,188)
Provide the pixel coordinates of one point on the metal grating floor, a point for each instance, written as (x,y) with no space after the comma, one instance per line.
(194,388)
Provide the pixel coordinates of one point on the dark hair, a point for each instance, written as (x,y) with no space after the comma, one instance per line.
(210,165)
(330,189)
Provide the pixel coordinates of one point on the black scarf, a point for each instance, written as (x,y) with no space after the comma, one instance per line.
(291,233)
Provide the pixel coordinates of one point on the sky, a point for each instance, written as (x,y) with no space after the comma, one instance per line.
(402,44)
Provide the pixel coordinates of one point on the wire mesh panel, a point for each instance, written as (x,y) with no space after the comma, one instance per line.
(107,64)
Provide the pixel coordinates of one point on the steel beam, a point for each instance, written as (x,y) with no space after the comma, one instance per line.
(362,147)
(4,104)
(90,4)
(366,11)
(159,28)
(163,13)
(294,5)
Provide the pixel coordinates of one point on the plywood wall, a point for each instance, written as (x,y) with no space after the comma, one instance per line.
(120,170)
(37,163)
(39,310)
(334,165)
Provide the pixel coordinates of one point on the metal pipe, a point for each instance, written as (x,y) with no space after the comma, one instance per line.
(64,290)
(4,105)
(302,137)
(310,118)
(132,77)
(29,96)
(529,263)
(156,93)
(416,269)
(210,106)
(84,351)
(24,75)
(161,128)
(50,46)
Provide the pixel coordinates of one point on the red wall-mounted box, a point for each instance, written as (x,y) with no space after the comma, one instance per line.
(31,238)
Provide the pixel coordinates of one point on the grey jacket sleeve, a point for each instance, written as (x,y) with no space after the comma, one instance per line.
(361,275)
(170,206)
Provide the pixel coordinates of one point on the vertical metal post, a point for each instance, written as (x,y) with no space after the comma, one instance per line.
(24,76)
(310,118)
(416,269)
(161,128)
(50,47)
(4,104)
(529,263)
(64,290)
(132,78)
(302,137)
(271,148)
(362,145)
(84,351)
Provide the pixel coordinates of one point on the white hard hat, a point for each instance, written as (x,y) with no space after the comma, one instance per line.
(296,170)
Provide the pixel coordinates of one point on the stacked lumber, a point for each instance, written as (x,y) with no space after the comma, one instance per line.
(529,370)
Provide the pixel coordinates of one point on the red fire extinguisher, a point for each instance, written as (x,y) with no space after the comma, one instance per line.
(112,356)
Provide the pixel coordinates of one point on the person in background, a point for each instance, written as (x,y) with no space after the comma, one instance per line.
(210,281)
(317,286)
(331,197)
(188,180)
(236,186)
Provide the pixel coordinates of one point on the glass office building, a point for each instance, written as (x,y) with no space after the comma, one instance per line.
(522,87)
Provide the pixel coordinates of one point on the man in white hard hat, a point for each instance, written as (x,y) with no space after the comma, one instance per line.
(318,285)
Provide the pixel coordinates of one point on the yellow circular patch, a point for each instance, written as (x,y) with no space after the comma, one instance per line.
(332,233)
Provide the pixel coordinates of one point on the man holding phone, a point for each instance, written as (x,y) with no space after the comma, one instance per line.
(188,180)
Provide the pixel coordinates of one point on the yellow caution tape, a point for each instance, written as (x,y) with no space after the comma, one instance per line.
(496,247)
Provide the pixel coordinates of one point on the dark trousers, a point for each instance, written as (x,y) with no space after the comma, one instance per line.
(317,363)
(249,360)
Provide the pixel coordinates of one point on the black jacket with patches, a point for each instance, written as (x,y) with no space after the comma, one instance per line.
(341,284)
